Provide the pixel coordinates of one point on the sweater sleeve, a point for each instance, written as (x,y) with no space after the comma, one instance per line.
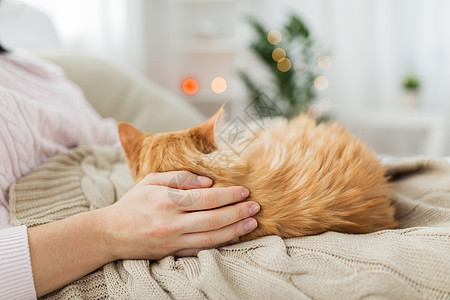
(16,277)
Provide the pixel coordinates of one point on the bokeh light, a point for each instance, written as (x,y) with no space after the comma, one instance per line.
(278,54)
(324,62)
(284,64)
(219,85)
(314,111)
(301,66)
(325,103)
(274,37)
(190,86)
(321,83)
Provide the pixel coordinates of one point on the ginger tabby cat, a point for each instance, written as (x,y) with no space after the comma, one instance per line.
(307,178)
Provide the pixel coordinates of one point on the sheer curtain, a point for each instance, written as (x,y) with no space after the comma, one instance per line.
(109,28)
(374,44)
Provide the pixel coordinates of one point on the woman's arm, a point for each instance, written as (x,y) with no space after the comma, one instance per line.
(157,217)
(66,250)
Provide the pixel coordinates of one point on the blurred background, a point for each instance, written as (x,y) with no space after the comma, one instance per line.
(380,67)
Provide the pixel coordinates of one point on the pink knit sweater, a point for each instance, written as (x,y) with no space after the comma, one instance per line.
(41,114)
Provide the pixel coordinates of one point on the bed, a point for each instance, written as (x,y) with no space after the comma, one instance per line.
(410,262)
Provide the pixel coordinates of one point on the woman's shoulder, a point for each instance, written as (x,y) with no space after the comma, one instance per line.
(22,59)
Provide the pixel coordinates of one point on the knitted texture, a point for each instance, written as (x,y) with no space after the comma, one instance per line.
(411,262)
(42,114)
(16,277)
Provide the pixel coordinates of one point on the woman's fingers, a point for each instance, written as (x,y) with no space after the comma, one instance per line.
(208,220)
(191,192)
(202,199)
(212,238)
(177,180)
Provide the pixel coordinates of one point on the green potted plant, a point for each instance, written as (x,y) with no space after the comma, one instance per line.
(411,86)
(290,57)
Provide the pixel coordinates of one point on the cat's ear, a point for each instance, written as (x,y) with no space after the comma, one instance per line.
(206,130)
(130,138)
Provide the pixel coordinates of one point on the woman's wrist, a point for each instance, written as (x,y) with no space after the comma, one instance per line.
(103,234)
(100,235)
(65,250)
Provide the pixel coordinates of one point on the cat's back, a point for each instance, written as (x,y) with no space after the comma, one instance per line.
(282,144)
(318,177)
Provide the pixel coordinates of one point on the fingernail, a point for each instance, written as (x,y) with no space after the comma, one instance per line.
(250,225)
(254,208)
(245,193)
(204,180)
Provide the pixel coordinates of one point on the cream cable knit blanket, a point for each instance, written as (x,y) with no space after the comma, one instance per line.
(412,262)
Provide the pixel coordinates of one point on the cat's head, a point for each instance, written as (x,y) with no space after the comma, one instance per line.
(171,151)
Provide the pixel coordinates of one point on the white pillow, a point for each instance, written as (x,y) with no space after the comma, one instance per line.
(121,94)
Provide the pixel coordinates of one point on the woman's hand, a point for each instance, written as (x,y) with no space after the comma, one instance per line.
(166,213)
(175,213)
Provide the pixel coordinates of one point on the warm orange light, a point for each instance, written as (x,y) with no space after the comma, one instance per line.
(324,62)
(219,85)
(274,37)
(284,65)
(321,83)
(278,54)
(314,111)
(190,86)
